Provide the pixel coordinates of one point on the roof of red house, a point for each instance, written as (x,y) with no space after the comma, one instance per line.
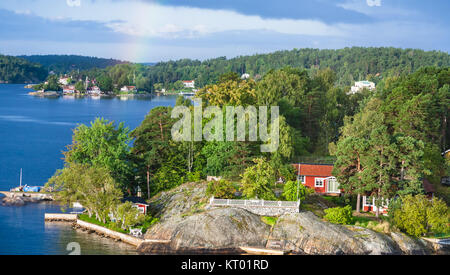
(428,187)
(322,170)
(189,81)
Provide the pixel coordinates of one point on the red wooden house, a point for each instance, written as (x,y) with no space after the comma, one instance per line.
(318,177)
(369,204)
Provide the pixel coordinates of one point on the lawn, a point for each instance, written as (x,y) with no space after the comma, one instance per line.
(109,224)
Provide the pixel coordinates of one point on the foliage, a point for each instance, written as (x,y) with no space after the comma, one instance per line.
(418,216)
(127,216)
(350,64)
(52,84)
(258,180)
(62,64)
(103,144)
(339,215)
(18,70)
(93,187)
(290,191)
(222,189)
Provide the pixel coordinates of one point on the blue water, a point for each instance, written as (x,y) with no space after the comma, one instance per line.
(33,133)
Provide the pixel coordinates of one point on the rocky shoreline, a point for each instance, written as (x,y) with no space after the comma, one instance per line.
(189,227)
(20,198)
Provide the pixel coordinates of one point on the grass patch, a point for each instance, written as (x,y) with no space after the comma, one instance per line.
(109,224)
(269,220)
(440,236)
(361,221)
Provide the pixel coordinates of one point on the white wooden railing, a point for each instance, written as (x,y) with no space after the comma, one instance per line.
(254,203)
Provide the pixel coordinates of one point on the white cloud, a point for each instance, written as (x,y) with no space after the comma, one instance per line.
(373,3)
(148,20)
(73,3)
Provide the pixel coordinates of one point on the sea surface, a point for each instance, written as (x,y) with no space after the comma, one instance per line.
(33,133)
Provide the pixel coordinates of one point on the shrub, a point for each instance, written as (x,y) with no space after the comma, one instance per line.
(222,189)
(339,215)
(128,216)
(418,216)
(290,191)
(258,180)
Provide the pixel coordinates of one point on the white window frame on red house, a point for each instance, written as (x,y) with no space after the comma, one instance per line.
(320,179)
(367,202)
(301,178)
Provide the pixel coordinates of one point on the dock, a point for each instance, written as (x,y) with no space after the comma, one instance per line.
(261,251)
(61,217)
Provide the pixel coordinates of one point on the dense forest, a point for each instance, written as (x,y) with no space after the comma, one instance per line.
(18,70)
(350,64)
(62,64)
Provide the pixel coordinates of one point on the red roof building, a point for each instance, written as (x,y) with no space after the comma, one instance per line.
(317,177)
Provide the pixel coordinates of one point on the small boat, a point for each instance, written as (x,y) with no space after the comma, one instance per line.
(26,188)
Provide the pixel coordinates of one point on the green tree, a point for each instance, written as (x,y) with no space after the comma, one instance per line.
(52,84)
(91,186)
(127,215)
(105,83)
(258,180)
(418,216)
(294,191)
(152,145)
(103,144)
(79,86)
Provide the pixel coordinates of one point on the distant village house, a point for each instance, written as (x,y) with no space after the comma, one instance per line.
(64,80)
(69,89)
(361,85)
(128,89)
(189,84)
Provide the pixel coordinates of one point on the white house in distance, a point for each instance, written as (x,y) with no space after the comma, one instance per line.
(64,80)
(361,85)
(128,89)
(189,84)
(69,89)
(95,90)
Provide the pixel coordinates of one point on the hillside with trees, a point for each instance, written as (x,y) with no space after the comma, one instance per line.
(18,70)
(62,64)
(350,64)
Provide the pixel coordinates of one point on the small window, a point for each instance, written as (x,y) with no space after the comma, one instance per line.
(301,179)
(319,182)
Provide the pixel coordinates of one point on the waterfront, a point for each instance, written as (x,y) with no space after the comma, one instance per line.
(33,132)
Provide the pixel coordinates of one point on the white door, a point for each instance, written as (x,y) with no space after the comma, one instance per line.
(333,185)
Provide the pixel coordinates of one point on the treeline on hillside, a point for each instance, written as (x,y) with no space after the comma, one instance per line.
(350,64)
(62,64)
(115,77)
(18,70)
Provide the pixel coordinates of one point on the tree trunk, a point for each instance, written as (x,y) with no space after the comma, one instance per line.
(148,182)
(161,128)
(358,203)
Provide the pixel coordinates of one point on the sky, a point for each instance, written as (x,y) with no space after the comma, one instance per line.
(161,30)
